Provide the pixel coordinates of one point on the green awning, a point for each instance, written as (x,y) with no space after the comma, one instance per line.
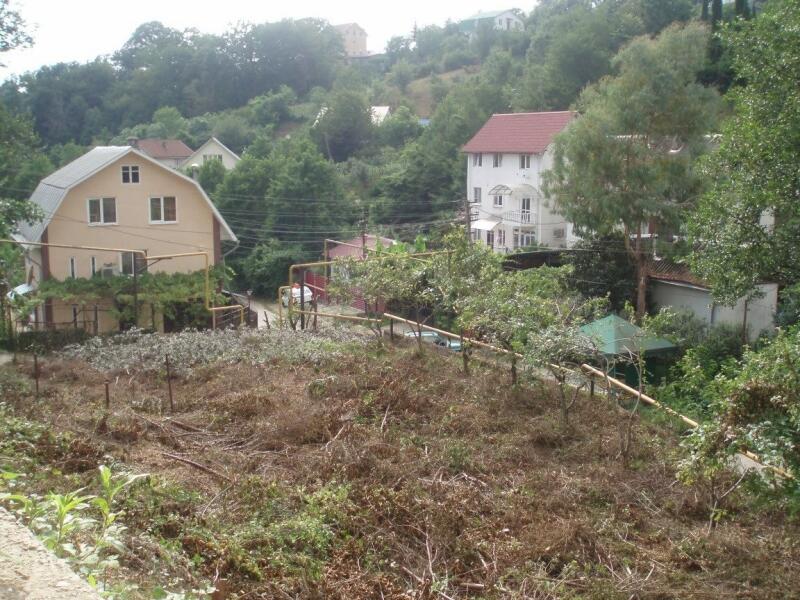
(616,336)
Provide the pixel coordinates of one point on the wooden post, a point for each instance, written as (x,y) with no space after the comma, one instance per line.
(303,300)
(591,387)
(169,384)
(391,329)
(464,355)
(108,395)
(36,372)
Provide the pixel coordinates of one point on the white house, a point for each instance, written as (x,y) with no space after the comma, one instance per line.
(213,149)
(501,20)
(378,114)
(673,285)
(505,162)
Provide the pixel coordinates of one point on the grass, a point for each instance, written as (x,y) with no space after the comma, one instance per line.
(380,473)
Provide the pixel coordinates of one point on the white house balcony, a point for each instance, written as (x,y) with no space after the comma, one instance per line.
(519,217)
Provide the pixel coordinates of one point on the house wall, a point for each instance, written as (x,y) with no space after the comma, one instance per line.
(354,39)
(486,177)
(210,148)
(760,311)
(192,232)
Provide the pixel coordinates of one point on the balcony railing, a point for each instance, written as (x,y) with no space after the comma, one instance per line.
(522,217)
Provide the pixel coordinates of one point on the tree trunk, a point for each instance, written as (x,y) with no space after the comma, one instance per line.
(513,369)
(716,12)
(704,11)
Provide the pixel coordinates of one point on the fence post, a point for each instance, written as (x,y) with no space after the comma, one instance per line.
(464,354)
(591,387)
(108,395)
(391,330)
(303,300)
(169,384)
(36,372)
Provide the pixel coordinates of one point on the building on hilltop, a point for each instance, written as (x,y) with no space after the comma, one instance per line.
(501,20)
(354,39)
(505,162)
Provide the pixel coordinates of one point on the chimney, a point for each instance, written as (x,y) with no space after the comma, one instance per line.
(133,142)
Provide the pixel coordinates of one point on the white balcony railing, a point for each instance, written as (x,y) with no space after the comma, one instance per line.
(521,217)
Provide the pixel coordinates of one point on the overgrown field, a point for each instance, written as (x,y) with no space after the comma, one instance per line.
(297,466)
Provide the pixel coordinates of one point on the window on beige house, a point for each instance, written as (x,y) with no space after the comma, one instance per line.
(163,210)
(208,157)
(130,174)
(102,211)
(73,268)
(127,260)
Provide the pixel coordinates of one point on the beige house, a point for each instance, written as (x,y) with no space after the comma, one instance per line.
(354,39)
(213,149)
(116,197)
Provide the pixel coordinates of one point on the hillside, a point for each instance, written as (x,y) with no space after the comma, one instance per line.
(297,465)
(420,92)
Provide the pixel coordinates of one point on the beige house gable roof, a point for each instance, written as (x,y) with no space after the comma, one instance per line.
(199,152)
(52,190)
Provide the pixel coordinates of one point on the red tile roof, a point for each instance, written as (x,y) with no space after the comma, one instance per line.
(530,133)
(666,270)
(156,148)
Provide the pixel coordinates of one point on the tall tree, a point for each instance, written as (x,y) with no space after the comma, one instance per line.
(628,160)
(13,32)
(747,228)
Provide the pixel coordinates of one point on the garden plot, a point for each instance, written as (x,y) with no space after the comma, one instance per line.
(336,466)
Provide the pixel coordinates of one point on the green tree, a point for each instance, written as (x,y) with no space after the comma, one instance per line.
(747,226)
(628,160)
(264,269)
(211,175)
(304,201)
(344,125)
(169,122)
(401,75)
(13,33)
(603,268)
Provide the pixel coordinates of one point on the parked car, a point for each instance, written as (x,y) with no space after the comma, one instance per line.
(308,295)
(434,338)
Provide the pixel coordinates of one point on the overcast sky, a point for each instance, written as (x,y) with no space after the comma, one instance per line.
(80,30)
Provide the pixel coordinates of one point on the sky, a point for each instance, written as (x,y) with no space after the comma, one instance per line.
(80,30)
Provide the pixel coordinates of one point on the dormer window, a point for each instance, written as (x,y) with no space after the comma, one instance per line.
(130,174)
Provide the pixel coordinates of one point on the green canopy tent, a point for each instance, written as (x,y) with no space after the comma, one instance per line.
(617,339)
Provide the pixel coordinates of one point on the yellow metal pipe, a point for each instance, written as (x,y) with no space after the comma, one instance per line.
(338,316)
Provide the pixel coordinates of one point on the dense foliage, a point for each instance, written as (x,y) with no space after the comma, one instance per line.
(748,224)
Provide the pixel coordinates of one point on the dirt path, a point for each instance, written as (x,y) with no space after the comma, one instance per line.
(28,571)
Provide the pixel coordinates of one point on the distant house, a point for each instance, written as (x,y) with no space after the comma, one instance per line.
(358,247)
(674,285)
(213,149)
(116,197)
(505,162)
(502,20)
(379,114)
(354,39)
(171,153)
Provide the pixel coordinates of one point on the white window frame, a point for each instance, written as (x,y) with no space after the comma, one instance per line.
(161,199)
(490,239)
(476,195)
(134,257)
(130,170)
(477,159)
(501,238)
(102,220)
(93,265)
(210,157)
(497,201)
(72,268)
(524,161)
(497,160)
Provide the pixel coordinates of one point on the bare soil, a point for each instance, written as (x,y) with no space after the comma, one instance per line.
(393,475)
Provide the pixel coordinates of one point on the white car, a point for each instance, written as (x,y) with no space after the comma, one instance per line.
(308,296)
